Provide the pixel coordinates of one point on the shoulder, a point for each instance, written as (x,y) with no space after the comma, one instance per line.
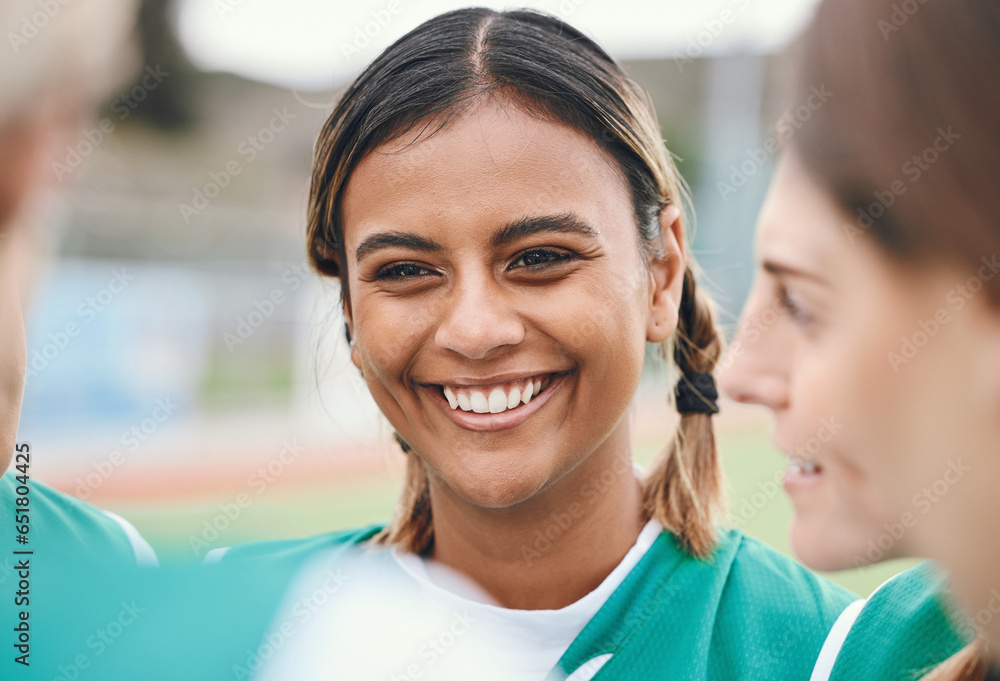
(789,588)
(73,527)
(906,626)
(293,552)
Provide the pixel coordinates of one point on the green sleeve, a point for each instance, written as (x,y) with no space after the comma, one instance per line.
(908,625)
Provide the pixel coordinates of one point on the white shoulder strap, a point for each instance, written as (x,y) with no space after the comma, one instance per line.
(835,640)
(587,670)
(215,555)
(145,556)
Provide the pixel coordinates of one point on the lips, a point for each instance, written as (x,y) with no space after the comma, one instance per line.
(496,398)
(473,393)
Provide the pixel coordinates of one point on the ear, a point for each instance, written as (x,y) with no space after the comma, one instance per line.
(349,320)
(666,279)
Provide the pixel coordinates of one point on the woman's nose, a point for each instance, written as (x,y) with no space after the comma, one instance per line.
(477,319)
(755,368)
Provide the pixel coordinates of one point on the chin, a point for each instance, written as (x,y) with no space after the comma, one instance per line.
(817,546)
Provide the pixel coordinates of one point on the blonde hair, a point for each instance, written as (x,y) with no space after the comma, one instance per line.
(547,66)
(971,663)
(79,50)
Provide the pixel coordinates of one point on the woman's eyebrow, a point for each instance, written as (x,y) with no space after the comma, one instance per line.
(779,269)
(381,240)
(509,233)
(565,223)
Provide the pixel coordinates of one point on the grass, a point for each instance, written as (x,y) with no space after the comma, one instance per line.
(305,505)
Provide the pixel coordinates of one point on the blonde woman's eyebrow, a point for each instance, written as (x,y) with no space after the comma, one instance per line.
(779,269)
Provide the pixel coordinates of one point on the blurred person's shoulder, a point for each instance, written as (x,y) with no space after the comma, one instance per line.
(908,625)
(293,552)
(787,587)
(68,527)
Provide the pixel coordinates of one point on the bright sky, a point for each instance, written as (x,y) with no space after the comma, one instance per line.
(319,44)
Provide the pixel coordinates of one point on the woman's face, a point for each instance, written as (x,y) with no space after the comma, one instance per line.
(493,258)
(884,378)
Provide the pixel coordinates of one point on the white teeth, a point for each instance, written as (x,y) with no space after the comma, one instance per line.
(514,398)
(479,403)
(802,465)
(498,401)
(528,392)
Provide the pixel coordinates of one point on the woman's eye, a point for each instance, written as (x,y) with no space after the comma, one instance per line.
(541,257)
(790,303)
(403,270)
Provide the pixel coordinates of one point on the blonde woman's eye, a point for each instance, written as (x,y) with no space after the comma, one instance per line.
(790,304)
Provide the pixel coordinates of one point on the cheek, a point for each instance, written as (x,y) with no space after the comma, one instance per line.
(12,368)
(602,325)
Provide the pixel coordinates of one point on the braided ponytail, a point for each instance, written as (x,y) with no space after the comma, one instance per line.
(684,491)
(412,528)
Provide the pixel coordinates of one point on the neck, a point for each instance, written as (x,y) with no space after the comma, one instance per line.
(551,550)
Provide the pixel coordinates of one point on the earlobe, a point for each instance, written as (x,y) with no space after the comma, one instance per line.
(667,277)
(355,354)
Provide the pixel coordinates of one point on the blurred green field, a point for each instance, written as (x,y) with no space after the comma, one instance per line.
(304,505)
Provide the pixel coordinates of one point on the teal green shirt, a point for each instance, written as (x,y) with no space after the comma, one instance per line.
(46,538)
(907,626)
(746,613)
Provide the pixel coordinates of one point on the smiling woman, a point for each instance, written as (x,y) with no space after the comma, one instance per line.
(879,239)
(494,197)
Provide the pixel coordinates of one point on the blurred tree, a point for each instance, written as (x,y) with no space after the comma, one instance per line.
(170,104)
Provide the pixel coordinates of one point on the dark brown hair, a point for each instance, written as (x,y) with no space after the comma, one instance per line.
(537,62)
(908,140)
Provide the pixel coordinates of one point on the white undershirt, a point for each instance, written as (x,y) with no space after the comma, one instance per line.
(532,641)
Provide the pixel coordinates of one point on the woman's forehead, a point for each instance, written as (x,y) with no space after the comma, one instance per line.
(492,160)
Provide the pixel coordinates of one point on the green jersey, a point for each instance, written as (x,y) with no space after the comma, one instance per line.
(46,536)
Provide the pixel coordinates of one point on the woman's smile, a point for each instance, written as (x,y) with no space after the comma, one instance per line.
(490,405)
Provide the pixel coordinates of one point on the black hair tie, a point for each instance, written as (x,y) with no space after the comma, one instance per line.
(696,394)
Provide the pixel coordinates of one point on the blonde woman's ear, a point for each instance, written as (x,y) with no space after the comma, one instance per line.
(667,277)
